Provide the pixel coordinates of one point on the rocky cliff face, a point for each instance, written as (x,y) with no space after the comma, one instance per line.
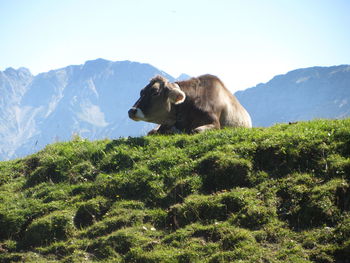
(90,100)
(13,85)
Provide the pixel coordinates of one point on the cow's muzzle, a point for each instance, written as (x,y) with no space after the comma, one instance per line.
(136,114)
(132,113)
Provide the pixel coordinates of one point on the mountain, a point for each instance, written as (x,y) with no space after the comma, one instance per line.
(89,100)
(302,94)
(92,100)
(13,85)
(182,77)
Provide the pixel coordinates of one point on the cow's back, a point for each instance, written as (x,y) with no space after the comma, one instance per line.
(209,94)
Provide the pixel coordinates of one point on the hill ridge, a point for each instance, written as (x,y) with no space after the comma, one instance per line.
(278,194)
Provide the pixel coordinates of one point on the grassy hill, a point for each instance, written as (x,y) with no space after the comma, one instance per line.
(279,194)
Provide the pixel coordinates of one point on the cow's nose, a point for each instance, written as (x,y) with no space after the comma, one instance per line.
(132,112)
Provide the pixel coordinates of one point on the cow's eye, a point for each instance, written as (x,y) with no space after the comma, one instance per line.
(155,93)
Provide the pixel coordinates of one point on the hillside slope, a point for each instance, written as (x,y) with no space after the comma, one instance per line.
(279,194)
(300,95)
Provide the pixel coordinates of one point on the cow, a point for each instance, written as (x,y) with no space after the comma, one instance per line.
(190,106)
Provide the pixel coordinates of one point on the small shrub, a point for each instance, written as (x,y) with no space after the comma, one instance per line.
(117,160)
(10,170)
(183,188)
(196,208)
(45,230)
(50,172)
(53,163)
(244,252)
(48,192)
(237,199)
(18,212)
(165,159)
(252,216)
(8,246)
(126,204)
(11,257)
(291,251)
(220,171)
(282,155)
(115,220)
(242,205)
(164,255)
(82,172)
(78,256)
(339,166)
(274,232)
(11,224)
(121,242)
(269,157)
(138,184)
(90,211)
(60,249)
(343,251)
(237,238)
(306,203)
(31,163)
(342,231)
(156,217)
(247,208)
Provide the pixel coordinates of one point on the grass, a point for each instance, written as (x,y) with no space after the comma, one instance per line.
(278,194)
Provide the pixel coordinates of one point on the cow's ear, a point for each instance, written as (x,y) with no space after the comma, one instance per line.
(176,95)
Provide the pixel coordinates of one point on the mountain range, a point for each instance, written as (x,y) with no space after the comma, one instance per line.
(299,95)
(91,100)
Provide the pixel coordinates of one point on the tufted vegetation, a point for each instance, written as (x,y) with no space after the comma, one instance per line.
(279,194)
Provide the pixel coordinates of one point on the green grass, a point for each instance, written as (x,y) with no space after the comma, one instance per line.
(278,194)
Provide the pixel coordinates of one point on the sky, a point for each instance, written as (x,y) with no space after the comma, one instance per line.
(244,42)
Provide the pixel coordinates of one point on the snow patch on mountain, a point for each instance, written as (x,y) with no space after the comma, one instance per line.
(92,114)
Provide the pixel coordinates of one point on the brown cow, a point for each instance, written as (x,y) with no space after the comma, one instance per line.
(194,105)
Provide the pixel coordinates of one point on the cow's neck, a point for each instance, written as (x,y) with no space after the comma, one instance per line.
(179,117)
(172,117)
(169,119)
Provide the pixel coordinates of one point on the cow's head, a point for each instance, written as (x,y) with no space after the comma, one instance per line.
(156,100)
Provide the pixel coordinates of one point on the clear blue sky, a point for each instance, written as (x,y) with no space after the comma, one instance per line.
(244,42)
